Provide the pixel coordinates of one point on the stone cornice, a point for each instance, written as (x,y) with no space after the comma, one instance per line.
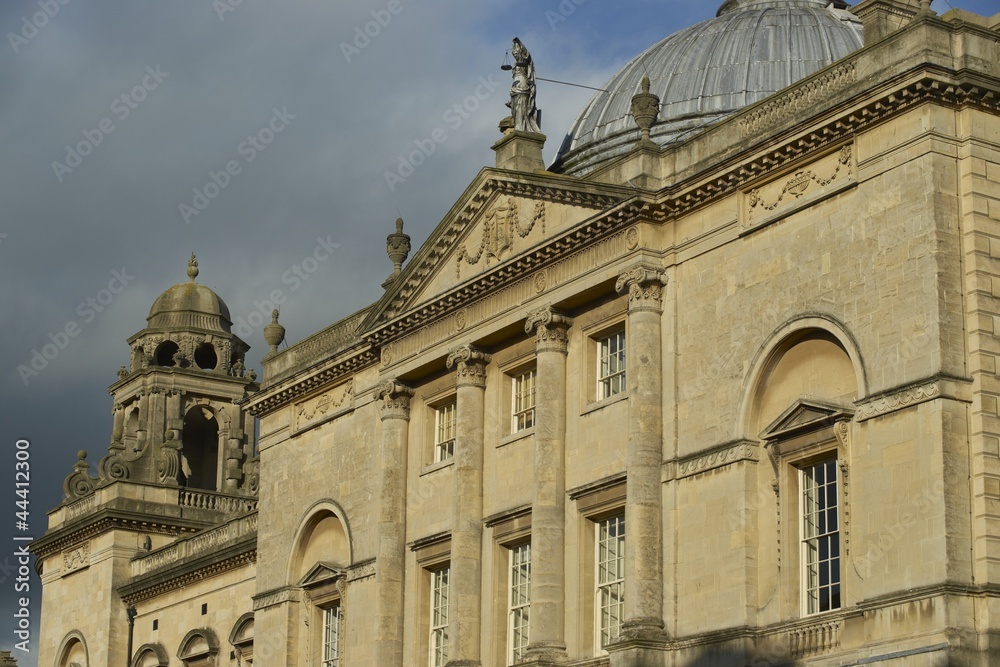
(922,84)
(276,596)
(717,457)
(278,396)
(592,230)
(104,520)
(186,574)
(489,184)
(915,393)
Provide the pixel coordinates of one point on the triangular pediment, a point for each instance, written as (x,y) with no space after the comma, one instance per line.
(501,216)
(321,573)
(803,416)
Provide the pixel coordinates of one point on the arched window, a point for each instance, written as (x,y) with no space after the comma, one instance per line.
(241,639)
(150,655)
(199,648)
(200,450)
(73,651)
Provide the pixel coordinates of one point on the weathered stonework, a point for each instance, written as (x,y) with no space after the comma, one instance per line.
(675,345)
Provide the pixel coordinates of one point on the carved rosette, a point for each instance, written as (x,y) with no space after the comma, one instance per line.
(395,398)
(644,284)
(551,330)
(471,364)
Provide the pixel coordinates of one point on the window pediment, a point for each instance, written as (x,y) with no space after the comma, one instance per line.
(804,425)
(322,573)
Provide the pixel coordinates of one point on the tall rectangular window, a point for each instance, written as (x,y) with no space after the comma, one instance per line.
(611,365)
(444,432)
(820,536)
(439,616)
(331,636)
(523,401)
(519,581)
(610,554)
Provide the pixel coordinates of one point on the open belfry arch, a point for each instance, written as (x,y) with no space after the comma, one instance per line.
(716,387)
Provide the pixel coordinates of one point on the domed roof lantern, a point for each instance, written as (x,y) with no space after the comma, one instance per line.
(190,304)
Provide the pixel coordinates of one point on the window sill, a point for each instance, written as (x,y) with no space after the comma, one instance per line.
(514,437)
(434,467)
(603,403)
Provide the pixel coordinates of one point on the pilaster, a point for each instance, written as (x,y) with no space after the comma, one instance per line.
(643,632)
(547,632)
(465,610)
(390,559)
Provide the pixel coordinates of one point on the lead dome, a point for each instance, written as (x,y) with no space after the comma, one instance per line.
(750,50)
(190,305)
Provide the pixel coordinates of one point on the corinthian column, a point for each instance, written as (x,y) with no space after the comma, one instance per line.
(390,563)
(464,613)
(546,632)
(643,505)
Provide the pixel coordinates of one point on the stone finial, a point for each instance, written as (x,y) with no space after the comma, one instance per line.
(925,7)
(398,248)
(122,373)
(645,111)
(192,270)
(274,333)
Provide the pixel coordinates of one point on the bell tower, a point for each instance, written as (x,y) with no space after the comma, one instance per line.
(181,460)
(176,421)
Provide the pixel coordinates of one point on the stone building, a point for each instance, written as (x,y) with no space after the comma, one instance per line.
(717,388)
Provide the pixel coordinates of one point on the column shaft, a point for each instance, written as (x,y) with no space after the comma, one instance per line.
(390,559)
(465,610)
(547,633)
(643,505)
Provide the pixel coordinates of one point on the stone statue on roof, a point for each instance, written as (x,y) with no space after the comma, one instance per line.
(522,92)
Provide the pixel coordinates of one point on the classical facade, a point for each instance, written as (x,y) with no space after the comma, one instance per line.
(718,387)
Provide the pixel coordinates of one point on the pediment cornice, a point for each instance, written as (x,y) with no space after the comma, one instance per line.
(488,186)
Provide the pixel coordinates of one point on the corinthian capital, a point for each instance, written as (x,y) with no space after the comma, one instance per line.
(395,398)
(471,363)
(550,329)
(644,284)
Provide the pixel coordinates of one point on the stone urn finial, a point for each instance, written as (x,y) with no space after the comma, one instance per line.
(645,111)
(398,248)
(274,333)
(192,267)
(925,7)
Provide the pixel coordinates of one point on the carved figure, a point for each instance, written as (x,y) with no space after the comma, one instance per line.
(122,373)
(522,92)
